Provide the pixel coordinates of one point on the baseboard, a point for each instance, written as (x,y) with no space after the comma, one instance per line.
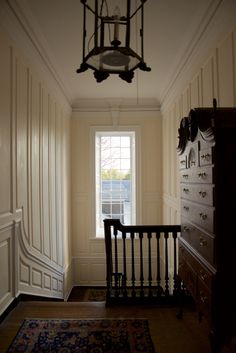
(25,297)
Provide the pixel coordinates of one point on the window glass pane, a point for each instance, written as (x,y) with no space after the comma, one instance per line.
(114,185)
(125,141)
(115,141)
(125,152)
(125,164)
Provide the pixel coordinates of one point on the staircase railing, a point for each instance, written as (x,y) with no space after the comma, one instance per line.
(141,263)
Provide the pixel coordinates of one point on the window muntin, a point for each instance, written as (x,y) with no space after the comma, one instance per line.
(115,177)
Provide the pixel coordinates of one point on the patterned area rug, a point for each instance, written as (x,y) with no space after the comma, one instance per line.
(83,336)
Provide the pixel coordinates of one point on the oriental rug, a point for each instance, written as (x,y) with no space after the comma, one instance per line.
(83,336)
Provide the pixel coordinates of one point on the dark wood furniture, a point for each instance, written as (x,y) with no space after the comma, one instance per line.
(139,259)
(207,246)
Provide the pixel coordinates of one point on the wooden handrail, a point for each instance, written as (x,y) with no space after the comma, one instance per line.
(123,262)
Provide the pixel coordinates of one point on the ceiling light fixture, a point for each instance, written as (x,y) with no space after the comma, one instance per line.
(111,36)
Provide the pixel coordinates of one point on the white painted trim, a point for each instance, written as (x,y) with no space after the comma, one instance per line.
(120,105)
(115,127)
(219,19)
(16,19)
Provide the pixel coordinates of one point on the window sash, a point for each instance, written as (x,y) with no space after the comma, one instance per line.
(118,201)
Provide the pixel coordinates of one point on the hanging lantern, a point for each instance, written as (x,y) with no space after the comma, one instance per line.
(110,35)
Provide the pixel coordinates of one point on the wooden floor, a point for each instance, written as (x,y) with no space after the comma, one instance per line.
(169,334)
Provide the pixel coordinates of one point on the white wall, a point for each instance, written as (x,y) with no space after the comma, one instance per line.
(89,253)
(34,182)
(214,77)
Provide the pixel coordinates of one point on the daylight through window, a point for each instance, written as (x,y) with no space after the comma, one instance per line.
(115,177)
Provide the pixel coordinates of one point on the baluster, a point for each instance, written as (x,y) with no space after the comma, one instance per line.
(141,265)
(133,268)
(175,264)
(166,236)
(159,288)
(108,244)
(149,265)
(124,277)
(116,274)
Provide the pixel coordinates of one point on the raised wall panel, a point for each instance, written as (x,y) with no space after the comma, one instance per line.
(186,101)
(58,185)
(45,174)
(54,284)
(52,173)
(150,211)
(35,163)
(5,127)
(164,148)
(24,270)
(167,142)
(6,266)
(81,271)
(60,286)
(225,61)
(80,216)
(97,247)
(172,160)
(47,281)
(5,260)
(207,78)
(97,271)
(37,278)
(194,92)
(22,130)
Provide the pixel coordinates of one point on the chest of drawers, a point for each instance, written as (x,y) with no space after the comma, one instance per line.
(207,246)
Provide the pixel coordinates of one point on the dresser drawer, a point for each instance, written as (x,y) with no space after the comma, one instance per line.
(203,274)
(189,277)
(204,300)
(203,216)
(205,156)
(183,161)
(197,175)
(201,193)
(200,241)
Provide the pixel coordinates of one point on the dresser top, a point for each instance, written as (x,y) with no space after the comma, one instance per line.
(207,121)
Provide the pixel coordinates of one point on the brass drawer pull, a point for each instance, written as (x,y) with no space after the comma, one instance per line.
(202,193)
(202,241)
(203,275)
(202,175)
(203,298)
(203,216)
(206,156)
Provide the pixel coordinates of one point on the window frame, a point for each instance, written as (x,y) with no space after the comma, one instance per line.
(112,129)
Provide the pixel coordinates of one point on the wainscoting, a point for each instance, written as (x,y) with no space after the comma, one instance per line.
(34,185)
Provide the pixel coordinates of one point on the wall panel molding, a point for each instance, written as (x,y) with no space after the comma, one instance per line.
(32,182)
(215,77)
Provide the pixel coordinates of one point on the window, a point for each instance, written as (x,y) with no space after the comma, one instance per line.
(115,177)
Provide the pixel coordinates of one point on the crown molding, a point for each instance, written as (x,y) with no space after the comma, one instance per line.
(218,19)
(22,27)
(110,105)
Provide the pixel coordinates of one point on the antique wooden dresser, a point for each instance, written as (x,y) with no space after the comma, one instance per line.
(207,246)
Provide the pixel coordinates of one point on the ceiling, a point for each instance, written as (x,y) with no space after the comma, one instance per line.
(170,29)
